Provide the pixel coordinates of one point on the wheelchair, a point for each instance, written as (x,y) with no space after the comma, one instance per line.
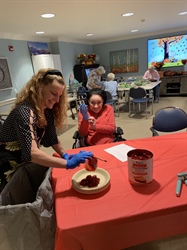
(80,140)
(81,95)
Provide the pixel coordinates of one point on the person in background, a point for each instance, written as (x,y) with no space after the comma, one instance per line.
(152,75)
(96,121)
(40,108)
(94,78)
(111,86)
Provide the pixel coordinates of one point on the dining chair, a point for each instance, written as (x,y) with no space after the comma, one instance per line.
(27,210)
(138,96)
(168,119)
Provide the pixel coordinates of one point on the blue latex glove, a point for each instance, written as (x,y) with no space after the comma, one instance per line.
(84,111)
(66,156)
(78,159)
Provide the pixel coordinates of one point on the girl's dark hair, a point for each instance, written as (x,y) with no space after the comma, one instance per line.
(97,91)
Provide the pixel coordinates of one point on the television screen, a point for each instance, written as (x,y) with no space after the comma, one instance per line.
(170,50)
(88,71)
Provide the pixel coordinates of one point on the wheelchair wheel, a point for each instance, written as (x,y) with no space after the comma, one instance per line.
(73,104)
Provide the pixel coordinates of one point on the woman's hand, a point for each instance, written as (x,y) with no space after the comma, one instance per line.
(78,159)
(92,122)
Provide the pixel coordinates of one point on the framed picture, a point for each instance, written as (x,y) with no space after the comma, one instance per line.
(38,48)
(5,78)
(124,61)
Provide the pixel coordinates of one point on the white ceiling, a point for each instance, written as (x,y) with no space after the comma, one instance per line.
(20,19)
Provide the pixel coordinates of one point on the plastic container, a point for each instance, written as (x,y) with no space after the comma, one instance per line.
(140,166)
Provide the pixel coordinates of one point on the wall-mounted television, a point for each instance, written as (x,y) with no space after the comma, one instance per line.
(170,50)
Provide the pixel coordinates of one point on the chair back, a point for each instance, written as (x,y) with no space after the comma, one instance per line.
(82,92)
(137,92)
(109,99)
(170,119)
(138,95)
(109,96)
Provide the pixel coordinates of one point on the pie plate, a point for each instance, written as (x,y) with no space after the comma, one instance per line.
(102,174)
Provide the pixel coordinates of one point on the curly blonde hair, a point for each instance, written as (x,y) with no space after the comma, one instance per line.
(32,93)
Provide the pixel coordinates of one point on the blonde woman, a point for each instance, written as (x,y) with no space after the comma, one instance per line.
(39,110)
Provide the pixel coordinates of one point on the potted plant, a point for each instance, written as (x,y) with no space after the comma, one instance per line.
(92,57)
(184,62)
(158,65)
(82,58)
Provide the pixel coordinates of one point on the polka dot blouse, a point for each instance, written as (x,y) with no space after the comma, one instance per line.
(16,128)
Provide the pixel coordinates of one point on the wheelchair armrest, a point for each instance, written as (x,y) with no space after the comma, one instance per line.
(118,135)
(154,132)
(79,140)
(76,135)
(119,131)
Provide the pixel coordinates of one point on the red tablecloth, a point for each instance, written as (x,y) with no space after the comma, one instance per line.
(124,215)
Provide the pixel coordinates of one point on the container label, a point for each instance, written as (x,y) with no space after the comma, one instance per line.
(140,166)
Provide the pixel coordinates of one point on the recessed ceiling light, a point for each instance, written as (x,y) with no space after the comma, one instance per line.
(128,14)
(89,34)
(182,13)
(40,32)
(134,30)
(47,15)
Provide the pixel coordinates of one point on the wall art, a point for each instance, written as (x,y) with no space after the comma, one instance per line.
(38,48)
(124,61)
(5,78)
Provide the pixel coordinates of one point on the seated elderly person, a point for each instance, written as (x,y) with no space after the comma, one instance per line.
(152,74)
(111,86)
(94,78)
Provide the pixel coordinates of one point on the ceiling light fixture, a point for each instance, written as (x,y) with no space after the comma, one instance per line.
(48,15)
(89,34)
(40,32)
(182,13)
(134,30)
(128,14)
